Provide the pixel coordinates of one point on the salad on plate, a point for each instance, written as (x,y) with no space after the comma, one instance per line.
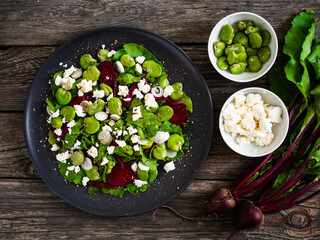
(115,118)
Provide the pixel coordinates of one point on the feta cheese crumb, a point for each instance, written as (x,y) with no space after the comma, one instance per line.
(103,46)
(140,59)
(98,93)
(143,167)
(62,157)
(107,128)
(85,180)
(146,88)
(67,173)
(150,101)
(111,123)
(110,150)
(77,169)
(168,91)
(55,147)
(120,143)
(161,137)
(104,161)
(123,91)
(132,130)
(138,68)
(76,145)
(84,87)
(136,148)
(141,84)
(134,167)
(239,100)
(111,53)
(274,114)
(71,124)
(71,168)
(139,183)
(136,113)
(93,152)
(135,139)
(169,166)
(79,111)
(58,131)
(137,93)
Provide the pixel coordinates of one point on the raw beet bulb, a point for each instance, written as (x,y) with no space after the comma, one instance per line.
(221,201)
(107,72)
(121,175)
(248,216)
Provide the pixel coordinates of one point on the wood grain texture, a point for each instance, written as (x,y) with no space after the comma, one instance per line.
(53,22)
(48,216)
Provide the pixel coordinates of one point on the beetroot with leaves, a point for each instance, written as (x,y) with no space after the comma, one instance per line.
(107,73)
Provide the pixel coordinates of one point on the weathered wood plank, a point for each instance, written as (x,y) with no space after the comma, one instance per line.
(19,65)
(54,22)
(222,163)
(40,213)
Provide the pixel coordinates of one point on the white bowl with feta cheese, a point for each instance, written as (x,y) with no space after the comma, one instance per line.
(232,19)
(254,122)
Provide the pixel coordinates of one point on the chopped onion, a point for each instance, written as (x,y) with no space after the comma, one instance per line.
(157,91)
(77,74)
(101,116)
(143,141)
(115,117)
(86,164)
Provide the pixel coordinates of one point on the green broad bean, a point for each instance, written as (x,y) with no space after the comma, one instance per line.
(266,37)
(264,54)
(175,142)
(247,69)
(188,103)
(252,29)
(241,25)
(250,23)
(92,73)
(52,139)
(63,96)
(126,150)
(93,173)
(251,52)
(163,82)
(115,106)
(91,125)
(110,165)
(77,157)
(235,58)
(103,55)
(254,64)
(142,175)
(237,48)
(56,122)
(238,68)
(177,86)
(148,144)
(87,60)
(241,38)
(68,112)
(226,34)
(219,48)
(176,95)
(222,63)
(106,88)
(127,60)
(255,40)
(165,113)
(160,151)
(153,68)
(97,106)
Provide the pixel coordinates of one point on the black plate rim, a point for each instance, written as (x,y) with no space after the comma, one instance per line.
(27,109)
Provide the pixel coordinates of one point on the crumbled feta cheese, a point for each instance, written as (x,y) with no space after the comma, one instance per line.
(101,116)
(79,111)
(239,100)
(274,114)
(132,130)
(67,173)
(85,181)
(228,111)
(71,168)
(58,131)
(69,71)
(125,133)
(110,96)
(111,53)
(98,93)
(62,157)
(119,133)
(103,46)
(57,81)
(143,167)
(110,150)
(137,93)
(104,161)
(107,128)
(140,59)
(127,99)
(77,169)
(135,138)
(253,99)
(93,152)
(63,120)
(243,140)
(265,140)
(168,91)
(136,113)
(134,167)
(169,166)
(136,148)
(161,137)
(138,68)
(150,101)
(258,111)
(76,145)
(84,87)
(141,84)
(71,124)
(67,82)
(65,65)
(139,183)
(248,122)
(146,88)
(54,148)
(265,125)
(55,114)
(123,90)
(111,123)
(121,143)
(119,67)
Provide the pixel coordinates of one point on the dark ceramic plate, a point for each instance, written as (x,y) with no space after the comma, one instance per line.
(179,68)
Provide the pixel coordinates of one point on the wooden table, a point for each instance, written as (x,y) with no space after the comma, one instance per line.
(31,30)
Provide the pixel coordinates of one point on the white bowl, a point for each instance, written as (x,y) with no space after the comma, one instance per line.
(232,20)
(279,130)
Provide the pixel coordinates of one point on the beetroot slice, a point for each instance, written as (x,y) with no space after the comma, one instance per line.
(179,115)
(78,100)
(115,88)
(107,73)
(171,102)
(121,175)
(128,103)
(102,185)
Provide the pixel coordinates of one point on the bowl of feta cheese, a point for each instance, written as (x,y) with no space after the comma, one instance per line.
(254,122)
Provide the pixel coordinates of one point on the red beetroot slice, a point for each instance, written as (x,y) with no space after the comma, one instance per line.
(171,102)
(130,95)
(64,130)
(179,115)
(121,175)
(102,185)
(78,100)
(115,88)
(107,72)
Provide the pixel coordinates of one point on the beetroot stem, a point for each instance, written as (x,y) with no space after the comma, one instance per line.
(183,216)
